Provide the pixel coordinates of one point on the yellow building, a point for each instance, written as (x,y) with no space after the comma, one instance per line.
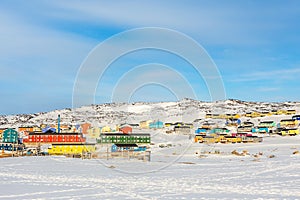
(264,114)
(230,139)
(273,112)
(206,139)
(145,124)
(94,132)
(248,115)
(64,149)
(255,114)
(209,115)
(210,139)
(168,124)
(293,131)
(105,129)
(288,123)
(291,112)
(281,112)
(232,116)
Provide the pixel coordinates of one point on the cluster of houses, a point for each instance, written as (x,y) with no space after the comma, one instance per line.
(246,131)
(47,141)
(64,139)
(251,114)
(59,139)
(223,135)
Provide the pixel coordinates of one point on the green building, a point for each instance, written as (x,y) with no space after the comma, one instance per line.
(120,138)
(10,136)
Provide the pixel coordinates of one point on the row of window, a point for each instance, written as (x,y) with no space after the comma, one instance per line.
(141,139)
(55,139)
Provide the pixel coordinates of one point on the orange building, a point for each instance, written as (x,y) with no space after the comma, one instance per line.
(26,129)
(85,127)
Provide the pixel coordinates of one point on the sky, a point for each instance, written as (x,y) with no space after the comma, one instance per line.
(43,45)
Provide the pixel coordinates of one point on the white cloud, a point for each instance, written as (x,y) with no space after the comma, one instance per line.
(268,89)
(284,74)
(221,23)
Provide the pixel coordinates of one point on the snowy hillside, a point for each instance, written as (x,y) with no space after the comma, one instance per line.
(186,110)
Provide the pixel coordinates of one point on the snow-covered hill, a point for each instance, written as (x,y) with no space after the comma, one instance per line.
(186,110)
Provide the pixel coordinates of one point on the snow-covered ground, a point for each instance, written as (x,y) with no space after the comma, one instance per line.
(175,172)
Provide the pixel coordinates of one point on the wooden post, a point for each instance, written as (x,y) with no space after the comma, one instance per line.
(106,152)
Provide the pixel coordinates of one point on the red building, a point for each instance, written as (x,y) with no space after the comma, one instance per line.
(126,129)
(52,138)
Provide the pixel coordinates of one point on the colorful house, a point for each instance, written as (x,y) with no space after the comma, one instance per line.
(273,112)
(291,112)
(178,124)
(168,124)
(291,131)
(248,114)
(145,124)
(252,139)
(230,139)
(156,124)
(230,116)
(219,131)
(206,139)
(126,129)
(281,112)
(263,129)
(120,138)
(198,138)
(105,129)
(208,115)
(53,138)
(1,132)
(11,147)
(268,124)
(94,132)
(255,114)
(26,129)
(201,131)
(208,125)
(85,127)
(10,136)
(296,117)
(244,129)
(247,123)
(264,114)
(71,149)
(288,123)
(189,125)
(233,122)
(185,130)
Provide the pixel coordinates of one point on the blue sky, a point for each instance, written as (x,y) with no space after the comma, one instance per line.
(255,45)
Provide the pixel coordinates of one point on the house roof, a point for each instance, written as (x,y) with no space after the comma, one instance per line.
(122,134)
(266,122)
(41,133)
(67,144)
(126,145)
(186,127)
(287,120)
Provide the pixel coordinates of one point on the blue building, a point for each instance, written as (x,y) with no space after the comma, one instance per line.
(201,131)
(296,117)
(263,130)
(156,124)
